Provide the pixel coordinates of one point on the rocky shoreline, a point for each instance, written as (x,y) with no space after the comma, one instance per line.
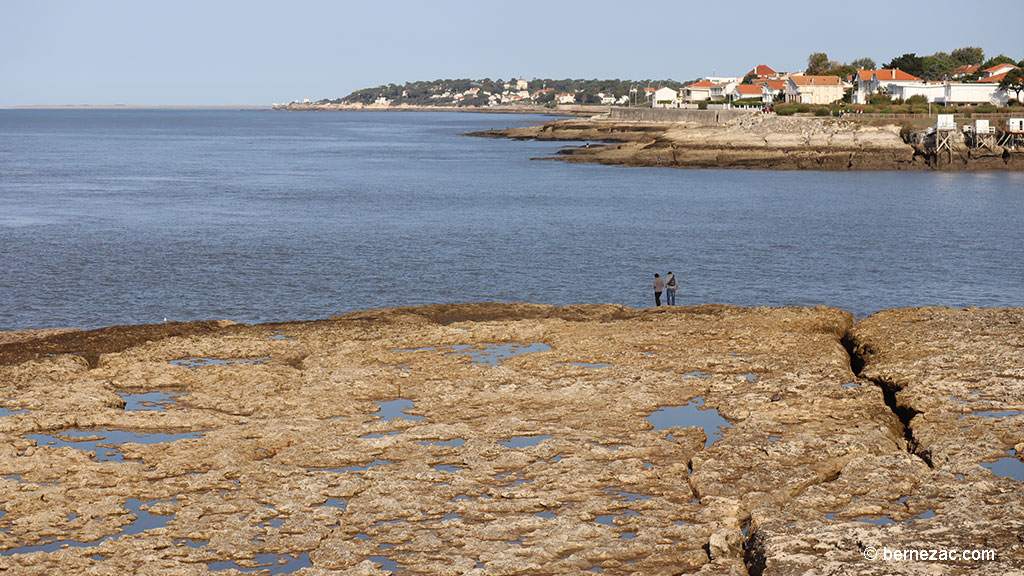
(756,141)
(518,439)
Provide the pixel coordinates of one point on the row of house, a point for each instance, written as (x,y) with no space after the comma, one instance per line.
(769,86)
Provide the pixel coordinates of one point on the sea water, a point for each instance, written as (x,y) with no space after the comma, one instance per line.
(130,216)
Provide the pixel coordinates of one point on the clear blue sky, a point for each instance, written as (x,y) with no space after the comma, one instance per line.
(257,52)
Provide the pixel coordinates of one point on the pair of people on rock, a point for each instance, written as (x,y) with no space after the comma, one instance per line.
(670,284)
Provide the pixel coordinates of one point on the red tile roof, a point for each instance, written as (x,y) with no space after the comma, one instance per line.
(815,80)
(865,75)
(966,69)
(994,79)
(773,84)
(702,84)
(997,67)
(750,89)
(896,74)
(762,70)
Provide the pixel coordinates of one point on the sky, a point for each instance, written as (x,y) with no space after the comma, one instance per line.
(226,52)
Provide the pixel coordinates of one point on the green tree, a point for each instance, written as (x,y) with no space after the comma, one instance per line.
(748,78)
(1014,80)
(863,64)
(910,63)
(1001,59)
(818,63)
(936,66)
(968,55)
(843,70)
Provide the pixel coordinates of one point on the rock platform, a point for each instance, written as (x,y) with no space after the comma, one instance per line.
(489,439)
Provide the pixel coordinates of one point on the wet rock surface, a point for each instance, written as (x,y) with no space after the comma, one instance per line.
(514,439)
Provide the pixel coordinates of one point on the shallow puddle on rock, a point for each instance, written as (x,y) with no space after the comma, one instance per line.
(449,443)
(850,385)
(609,519)
(393,409)
(379,435)
(1007,467)
(273,563)
(6,412)
(993,414)
(620,494)
(922,516)
(194,363)
(547,514)
(688,415)
(387,563)
(493,354)
(143,521)
(877,521)
(697,374)
(451,516)
(91,440)
(447,468)
(524,441)
(279,336)
(149,401)
(336,503)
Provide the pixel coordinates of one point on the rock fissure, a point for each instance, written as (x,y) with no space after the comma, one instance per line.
(905,414)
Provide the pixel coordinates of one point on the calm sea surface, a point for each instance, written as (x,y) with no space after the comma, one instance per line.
(113,217)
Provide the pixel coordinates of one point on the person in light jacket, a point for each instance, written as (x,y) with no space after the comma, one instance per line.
(659,285)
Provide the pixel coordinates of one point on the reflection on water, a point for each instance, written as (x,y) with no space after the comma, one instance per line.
(393,409)
(149,401)
(144,521)
(272,563)
(1007,467)
(690,415)
(524,441)
(105,442)
(194,363)
(493,354)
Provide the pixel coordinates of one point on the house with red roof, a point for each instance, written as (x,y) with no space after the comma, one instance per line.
(751,92)
(762,71)
(814,89)
(777,88)
(698,92)
(996,70)
(881,82)
(965,70)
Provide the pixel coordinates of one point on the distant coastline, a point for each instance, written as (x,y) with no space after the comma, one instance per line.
(140,107)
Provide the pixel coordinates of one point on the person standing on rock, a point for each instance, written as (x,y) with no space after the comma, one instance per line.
(659,285)
(670,287)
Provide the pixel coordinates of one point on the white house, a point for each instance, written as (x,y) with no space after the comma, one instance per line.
(749,92)
(883,81)
(720,92)
(813,89)
(566,98)
(665,98)
(933,91)
(777,88)
(997,70)
(974,93)
(699,92)
(522,84)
